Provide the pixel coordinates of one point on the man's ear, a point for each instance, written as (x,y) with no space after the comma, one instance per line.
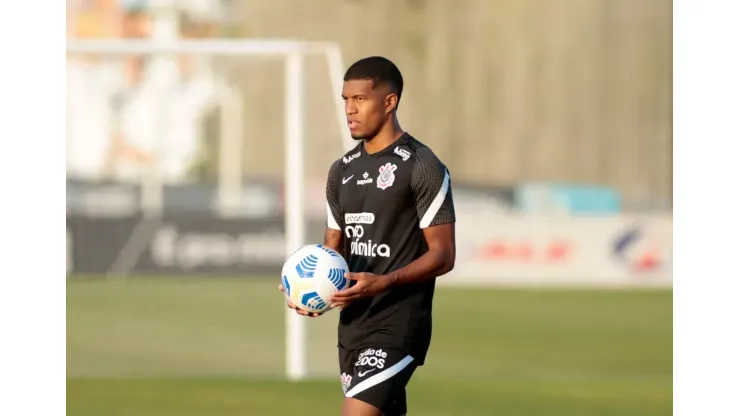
(391,102)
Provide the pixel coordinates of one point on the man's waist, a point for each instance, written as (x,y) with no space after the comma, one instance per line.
(354,340)
(401,324)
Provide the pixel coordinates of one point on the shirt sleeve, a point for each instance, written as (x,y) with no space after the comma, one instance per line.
(334,216)
(430,182)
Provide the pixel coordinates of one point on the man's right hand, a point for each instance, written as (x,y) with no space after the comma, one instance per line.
(298,310)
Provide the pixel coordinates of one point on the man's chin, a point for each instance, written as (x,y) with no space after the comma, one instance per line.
(359,136)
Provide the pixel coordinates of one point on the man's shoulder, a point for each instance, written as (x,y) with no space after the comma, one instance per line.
(350,156)
(421,153)
(339,164)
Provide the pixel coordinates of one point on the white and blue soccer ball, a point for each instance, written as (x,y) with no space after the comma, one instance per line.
(311,275)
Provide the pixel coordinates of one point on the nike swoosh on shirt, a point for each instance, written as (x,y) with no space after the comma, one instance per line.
(344,181)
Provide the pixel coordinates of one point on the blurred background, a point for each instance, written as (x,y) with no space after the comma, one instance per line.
(553,116)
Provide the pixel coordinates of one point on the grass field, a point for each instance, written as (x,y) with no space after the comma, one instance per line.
(215,347)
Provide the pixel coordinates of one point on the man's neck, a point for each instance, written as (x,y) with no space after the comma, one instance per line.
(383,139)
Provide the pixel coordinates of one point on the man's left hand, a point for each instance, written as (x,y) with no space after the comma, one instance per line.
(368,285)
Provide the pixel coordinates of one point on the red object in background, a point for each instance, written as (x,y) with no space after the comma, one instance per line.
(648,261)
(640,250)
(525,251)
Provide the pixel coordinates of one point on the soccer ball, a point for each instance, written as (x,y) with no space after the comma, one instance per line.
(311,275)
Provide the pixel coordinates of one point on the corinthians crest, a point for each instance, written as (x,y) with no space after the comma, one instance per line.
(346,381)
(386,177)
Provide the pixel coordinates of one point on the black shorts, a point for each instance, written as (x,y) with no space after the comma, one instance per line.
(377,376)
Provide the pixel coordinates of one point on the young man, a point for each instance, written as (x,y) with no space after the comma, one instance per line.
(390,213)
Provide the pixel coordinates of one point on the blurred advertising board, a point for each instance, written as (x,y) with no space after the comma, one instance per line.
(176,244)
(257,199)
(496,249)
(618,250)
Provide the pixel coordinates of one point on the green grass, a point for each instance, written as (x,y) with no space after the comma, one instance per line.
(215,347)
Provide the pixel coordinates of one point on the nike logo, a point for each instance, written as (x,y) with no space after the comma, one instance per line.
(344,181)
(362,373)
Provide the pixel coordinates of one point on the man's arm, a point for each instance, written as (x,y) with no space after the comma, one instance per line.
(334,214)
(432,189)
(439,260)
(333,239)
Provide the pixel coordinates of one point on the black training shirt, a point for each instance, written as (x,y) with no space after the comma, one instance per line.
(382,202)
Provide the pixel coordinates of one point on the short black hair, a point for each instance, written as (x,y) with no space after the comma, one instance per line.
(378,69)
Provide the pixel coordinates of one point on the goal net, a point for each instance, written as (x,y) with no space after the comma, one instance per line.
(203,159)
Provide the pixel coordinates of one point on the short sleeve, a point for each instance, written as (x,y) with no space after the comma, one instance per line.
(334,214)
(430,182)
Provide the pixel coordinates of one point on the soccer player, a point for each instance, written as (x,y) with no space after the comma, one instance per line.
(390,214)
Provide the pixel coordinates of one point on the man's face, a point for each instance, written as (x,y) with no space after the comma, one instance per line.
(366,108)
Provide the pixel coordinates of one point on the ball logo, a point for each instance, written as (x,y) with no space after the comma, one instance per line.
(386,177)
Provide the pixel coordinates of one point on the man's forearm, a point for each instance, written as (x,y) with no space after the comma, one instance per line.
(333,240)
(432,264)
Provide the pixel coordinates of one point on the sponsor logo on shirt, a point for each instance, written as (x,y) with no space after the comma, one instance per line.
(359,218)
(405,155)
(355,231)
(350,158)
(365,179)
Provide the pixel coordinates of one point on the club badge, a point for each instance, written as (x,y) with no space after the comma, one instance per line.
(386,177)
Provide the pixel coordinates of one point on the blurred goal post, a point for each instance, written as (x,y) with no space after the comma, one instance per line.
(293,54)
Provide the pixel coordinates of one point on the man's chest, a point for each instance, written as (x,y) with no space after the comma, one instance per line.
(380,185)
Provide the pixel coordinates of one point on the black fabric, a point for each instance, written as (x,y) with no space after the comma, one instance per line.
(379,202)
(388,389)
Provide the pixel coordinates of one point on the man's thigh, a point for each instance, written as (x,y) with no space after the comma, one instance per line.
(377,376)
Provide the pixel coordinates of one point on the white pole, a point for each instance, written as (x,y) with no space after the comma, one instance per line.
(230,151)
(295,336)
(336,74)
(165,27)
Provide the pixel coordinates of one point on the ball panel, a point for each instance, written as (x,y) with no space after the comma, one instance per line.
(286,285)
(298,289)
(313,302)
(336,277)
(328,250)
(306,266)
